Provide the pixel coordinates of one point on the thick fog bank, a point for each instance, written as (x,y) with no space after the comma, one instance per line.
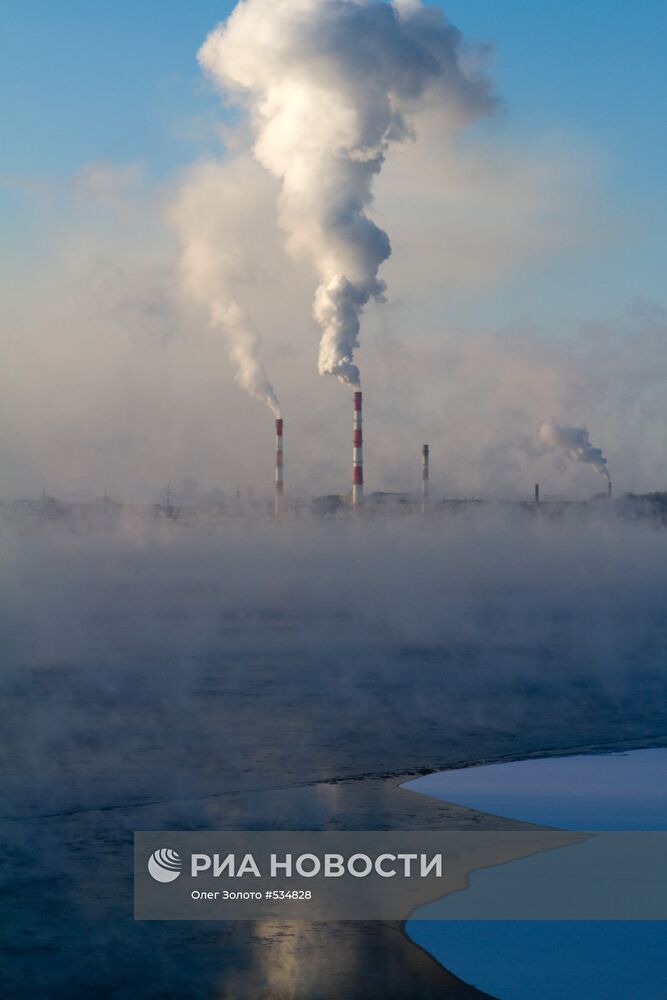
(84,598)
(266,652)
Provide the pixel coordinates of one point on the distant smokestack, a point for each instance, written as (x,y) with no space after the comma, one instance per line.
(278,498)
(537,492)
(424,476)
(609,489)
(357,455)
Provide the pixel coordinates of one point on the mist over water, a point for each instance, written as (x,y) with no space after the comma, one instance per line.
(249,674)
(386,620)
(433,579)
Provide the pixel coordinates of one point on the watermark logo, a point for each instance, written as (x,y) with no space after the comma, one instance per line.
(165,865)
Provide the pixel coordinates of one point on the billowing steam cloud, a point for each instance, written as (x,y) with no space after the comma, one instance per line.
(212,265)
(575,442)
(331,84)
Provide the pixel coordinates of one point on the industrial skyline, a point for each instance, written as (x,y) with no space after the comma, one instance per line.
(524,285)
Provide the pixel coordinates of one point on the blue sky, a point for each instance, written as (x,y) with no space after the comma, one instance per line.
(85,81)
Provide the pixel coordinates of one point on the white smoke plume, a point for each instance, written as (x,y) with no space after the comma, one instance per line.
(331,84)
(575,442)
(213,264)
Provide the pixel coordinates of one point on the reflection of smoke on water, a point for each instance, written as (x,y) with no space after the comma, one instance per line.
(165,678)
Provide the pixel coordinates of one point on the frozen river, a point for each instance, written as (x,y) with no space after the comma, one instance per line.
(554,960)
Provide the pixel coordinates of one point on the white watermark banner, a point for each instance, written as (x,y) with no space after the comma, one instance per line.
(388,875)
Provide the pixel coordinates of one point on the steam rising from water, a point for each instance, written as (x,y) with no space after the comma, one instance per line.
(165,675)
(331,84)
(575,442)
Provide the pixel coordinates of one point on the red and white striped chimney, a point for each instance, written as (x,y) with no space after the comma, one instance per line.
(357,455)
(278,498)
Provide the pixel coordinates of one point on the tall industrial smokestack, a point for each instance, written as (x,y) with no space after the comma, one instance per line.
(424,477)
(278,498)
(537,492)
(357,455)
(609,489)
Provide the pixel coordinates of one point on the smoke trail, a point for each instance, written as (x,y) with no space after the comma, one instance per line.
(330,85)
(576,442)
(213,263)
